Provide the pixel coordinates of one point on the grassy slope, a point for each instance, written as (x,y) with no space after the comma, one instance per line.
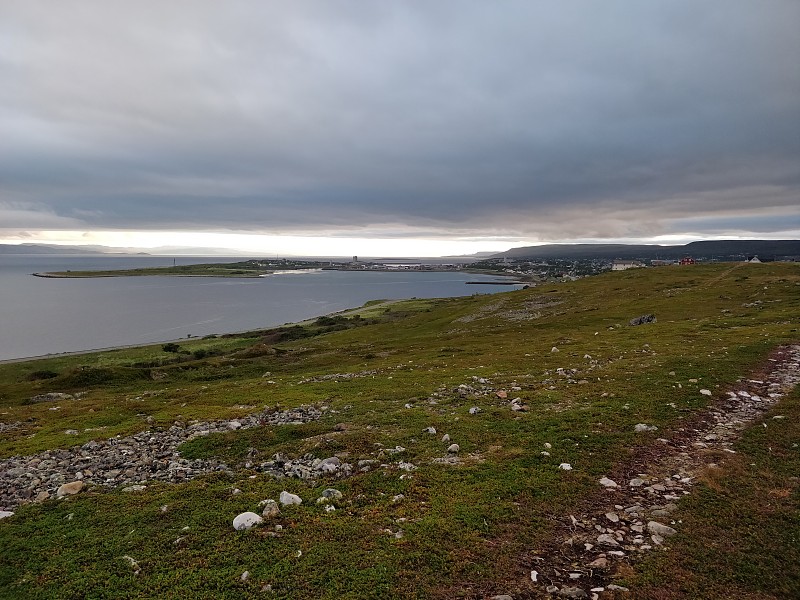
(464,527)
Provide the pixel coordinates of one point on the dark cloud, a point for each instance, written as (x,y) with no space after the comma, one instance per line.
(549,121)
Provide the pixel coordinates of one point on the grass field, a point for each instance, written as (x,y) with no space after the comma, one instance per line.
(459,530)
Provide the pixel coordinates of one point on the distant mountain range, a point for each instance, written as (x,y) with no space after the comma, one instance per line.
(719,249)
(58,249)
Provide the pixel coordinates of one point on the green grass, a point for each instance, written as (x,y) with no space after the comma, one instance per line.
(741,531)
(467,529)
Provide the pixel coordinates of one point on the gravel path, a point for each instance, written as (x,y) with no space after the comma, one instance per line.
(636,513)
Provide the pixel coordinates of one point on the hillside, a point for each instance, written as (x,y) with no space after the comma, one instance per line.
(454,448)
(718,250)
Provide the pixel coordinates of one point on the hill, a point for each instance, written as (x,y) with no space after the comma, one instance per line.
(718,249)
(51,249)
(511,444)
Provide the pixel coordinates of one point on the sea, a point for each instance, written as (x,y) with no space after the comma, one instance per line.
(40,316)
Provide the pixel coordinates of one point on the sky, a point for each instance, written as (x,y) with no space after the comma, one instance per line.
(417,128)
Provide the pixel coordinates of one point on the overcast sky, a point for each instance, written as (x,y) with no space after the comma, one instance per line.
(476,125)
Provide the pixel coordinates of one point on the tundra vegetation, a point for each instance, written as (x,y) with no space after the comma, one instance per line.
(422,521)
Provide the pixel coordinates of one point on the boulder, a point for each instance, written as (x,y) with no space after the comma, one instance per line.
(271,509)
(657,528)
(70,489)
(642,320)
(246,520)
(288,498)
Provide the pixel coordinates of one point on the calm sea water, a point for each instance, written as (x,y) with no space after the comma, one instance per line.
(45,316)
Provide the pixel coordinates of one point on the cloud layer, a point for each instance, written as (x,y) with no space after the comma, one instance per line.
(525,119)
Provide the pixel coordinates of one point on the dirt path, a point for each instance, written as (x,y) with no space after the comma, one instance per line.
(634,510)
(722,275)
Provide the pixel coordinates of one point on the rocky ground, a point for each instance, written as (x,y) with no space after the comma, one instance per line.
(129,461)
(635,509)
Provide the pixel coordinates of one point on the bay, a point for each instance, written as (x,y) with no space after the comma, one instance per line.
(46,316)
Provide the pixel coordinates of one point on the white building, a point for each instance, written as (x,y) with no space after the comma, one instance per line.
(622,265)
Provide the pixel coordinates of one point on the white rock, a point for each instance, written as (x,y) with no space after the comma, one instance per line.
(287,498)
(705,392)
(431,430)
(134,488)
(5,513)
(474,410)
(553,349)
(332,494)
(641,427)
(607,539)
(609,483)
(659,529)
(565,467)
(548,445)
(454,448)
(446,438)
(245,576)
(70,489)
(613,517)
(246,520)
(271,508)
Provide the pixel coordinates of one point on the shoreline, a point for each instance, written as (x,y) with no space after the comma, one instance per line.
(512,280)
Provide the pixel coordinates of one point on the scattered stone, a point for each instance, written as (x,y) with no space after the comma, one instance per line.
(329,465)
(6,513)
(609,483)
(660,529)
(606,539)
(134,488)
(332,494)
(271,509)
(288,498)
(133,564)
(52,397)
(599,563)
(502,597)
(565,467)
(246,520)
(474,410)
(636,482)
(641,427)
(446,438)
(705,392)
(70,489)
(642,320)
(453,448)
(572,592)
(244,577)
(143,457)
(430,430)
(554,349)
(613,517)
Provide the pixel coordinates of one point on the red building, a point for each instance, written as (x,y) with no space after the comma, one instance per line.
(687,260)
